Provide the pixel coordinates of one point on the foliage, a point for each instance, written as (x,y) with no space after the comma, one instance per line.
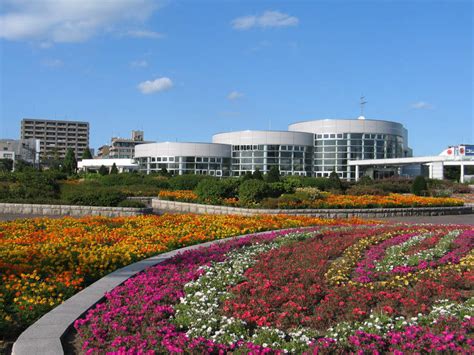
(252,191)
(114,170)
(70,162)
(214,191)
(6,164)
(186,182)
(257,174)
(87,154)
(273,174)
(335,182)
(419,186)
(29,185)
(94,196)
(359,190)
(103,170)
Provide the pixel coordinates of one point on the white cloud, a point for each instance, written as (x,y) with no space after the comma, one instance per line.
(234,95)
(157,85)
(422,105)
(145,34)
(267,20)
(56,21)
(53,63)
(139,64)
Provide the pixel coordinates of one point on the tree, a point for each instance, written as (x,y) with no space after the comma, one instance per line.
(248,176)
(87,154)
(419,187)
(114,169)
(70,162)
(257,174)
(6,164)
(335,182)
(103,170)
(274,174)
(164,172)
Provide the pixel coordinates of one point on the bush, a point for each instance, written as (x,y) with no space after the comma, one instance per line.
(335,182)
(212,191)
(360,190)
(131,203)
(291,183)
(273,175)
(94,196)
(252,191)
(312,193)
(186,182)
(419,186)
(276,189)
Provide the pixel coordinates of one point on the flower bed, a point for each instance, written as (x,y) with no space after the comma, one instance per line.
(45,261)
(327,200)
(331,289)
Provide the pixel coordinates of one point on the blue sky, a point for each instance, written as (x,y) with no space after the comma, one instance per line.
(183,70)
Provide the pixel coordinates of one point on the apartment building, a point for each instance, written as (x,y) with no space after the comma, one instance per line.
(122,148)
(56,136)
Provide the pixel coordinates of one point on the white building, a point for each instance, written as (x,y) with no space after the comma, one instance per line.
(184,158)
(337,141)
(291,152)
(93,165)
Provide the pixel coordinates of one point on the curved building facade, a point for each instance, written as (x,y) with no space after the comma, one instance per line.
(184,158)
(291,152)
(336,141)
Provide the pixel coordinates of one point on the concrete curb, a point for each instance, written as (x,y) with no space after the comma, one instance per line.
(70,210)
(44,336)
(186,207)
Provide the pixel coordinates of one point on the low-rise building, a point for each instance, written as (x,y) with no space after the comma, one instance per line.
(20,149)
(93,165)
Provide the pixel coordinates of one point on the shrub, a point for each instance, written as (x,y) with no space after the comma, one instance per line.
(131,203)
(360,190)
(252,191)
(276,189)
(291,183)
(94,196)
(334,182)
(211,191)
(257,174)
(273,175)
(103,170)
(365,180)
(186,182)
(312,193)
(419,186)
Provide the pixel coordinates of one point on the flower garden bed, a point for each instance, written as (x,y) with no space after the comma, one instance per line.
(45,261)
(327,201)
(396,288)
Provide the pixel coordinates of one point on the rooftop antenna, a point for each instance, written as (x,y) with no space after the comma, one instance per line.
(362,103)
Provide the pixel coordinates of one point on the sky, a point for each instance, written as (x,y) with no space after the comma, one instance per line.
(185,70)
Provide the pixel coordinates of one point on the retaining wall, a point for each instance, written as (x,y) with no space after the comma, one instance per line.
(70,210)
(185,207)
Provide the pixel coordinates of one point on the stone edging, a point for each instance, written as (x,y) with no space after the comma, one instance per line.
(174,206)
(70,210)
(44,336)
